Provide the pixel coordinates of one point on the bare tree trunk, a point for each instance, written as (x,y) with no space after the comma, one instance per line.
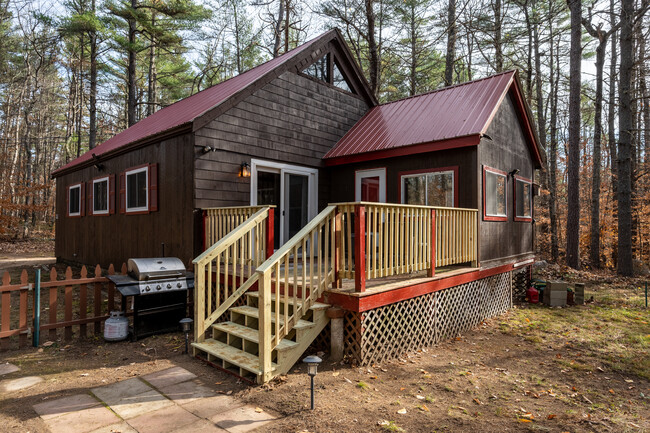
(414,64)
(131,88)
(625,127)
(237,38)
(452,33)
(498,44)
(92,108)
(287,12)
(151,88)
(555,78)
(278,30)
(573,166)
(373,50)
(611,120)
(594,230)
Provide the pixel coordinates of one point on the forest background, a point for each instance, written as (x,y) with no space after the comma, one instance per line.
(74,73)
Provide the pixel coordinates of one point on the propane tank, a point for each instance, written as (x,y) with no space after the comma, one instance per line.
(116,327)
(533,295)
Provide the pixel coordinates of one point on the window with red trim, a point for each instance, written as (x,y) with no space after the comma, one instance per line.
(430,188)
(523,199)
(494,194)
(100,195)
(74,200)
(139,189)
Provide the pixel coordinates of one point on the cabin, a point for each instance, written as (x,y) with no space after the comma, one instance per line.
(311,213)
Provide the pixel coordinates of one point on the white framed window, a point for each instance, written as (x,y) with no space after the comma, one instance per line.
(523,199)
(370,185)
(100,196)
(435,187)
(137,189)
(74,200)
(495,195)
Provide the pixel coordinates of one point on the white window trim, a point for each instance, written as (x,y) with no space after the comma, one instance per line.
(505,193)
(70,188)
(530,197)
(126,192)
(426,184)
(108,195)
(360,174)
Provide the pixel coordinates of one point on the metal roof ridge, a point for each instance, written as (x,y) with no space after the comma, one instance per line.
(511,71)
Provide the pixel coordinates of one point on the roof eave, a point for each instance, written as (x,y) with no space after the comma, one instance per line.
(413,149)
(164,135)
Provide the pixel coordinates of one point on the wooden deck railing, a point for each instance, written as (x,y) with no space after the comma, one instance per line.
(296,274)
(226,270)
(396,239)
(456,236)
(218,222)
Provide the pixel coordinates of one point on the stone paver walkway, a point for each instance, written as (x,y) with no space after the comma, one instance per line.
(168,401)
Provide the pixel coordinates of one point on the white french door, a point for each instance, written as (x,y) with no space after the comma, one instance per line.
(291,188)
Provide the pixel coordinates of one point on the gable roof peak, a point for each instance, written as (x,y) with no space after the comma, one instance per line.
(195,109)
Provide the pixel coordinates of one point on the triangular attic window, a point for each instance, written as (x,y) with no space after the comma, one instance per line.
(340,80)
(319,69)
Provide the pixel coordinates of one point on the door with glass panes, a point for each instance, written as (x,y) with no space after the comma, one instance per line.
(291,189)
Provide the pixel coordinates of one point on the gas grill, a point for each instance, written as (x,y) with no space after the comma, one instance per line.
(158,291)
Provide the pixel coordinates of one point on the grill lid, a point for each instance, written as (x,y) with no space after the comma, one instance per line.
(143,269)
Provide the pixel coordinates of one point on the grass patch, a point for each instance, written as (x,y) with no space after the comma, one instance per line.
(363,385)
(391,426)
(614,330)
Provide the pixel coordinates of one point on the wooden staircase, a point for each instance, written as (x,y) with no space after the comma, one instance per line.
(265,337)
(234,346)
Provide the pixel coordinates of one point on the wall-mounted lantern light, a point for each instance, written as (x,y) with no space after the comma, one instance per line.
(312,362)
(245,170)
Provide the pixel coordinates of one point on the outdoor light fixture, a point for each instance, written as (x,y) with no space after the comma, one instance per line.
(186,324)
(208,149)
(245,170)
(514,172)
(97,165)
(312,362)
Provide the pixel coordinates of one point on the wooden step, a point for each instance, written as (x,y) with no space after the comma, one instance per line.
(249,334)
(232,355)
(315,307)
(254,312)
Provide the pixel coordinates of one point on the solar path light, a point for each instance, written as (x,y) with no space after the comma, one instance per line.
(312,362)
(186,324)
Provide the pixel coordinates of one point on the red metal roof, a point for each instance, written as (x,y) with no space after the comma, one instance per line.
(458,111)
(188,109)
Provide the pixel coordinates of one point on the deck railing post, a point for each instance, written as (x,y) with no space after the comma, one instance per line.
(205,230)
(270,235)
(336,257)
(199,303)
(432,244)
(264,324)
(360,248)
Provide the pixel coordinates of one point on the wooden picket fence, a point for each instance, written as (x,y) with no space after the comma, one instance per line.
(68,303)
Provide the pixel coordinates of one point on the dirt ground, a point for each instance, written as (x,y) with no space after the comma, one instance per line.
(581,368)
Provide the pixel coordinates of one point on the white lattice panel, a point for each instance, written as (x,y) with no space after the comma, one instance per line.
(389,331)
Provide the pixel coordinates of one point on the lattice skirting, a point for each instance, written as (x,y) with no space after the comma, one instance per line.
(520,283)
(389,331)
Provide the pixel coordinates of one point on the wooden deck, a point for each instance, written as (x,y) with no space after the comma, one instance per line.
(385,284)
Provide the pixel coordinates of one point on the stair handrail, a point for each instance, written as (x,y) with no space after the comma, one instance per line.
(254,230)
(320,231)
